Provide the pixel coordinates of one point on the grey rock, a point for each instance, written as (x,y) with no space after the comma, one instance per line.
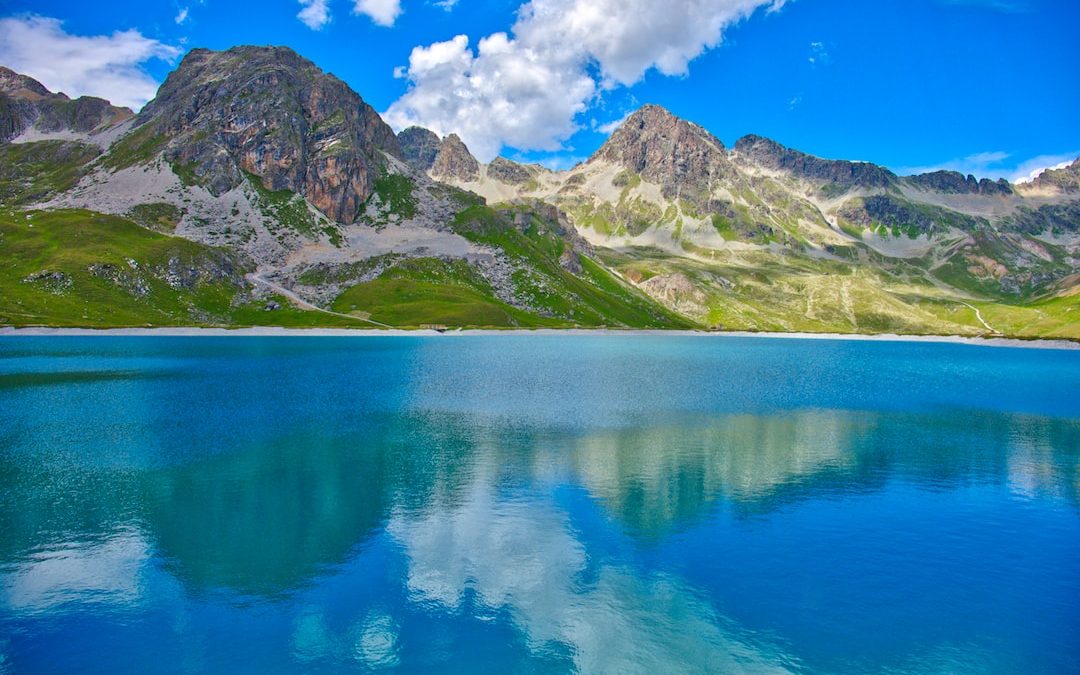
(680,156)
(771,155)
(954,182)
(506,171)
(454,161)
(419,146)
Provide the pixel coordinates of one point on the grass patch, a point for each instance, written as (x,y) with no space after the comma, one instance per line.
(186,173)
(595,298)
(116,273)
(158,216)
(137,147)
(433,291)
(288,209)
(31,172)
(396,191)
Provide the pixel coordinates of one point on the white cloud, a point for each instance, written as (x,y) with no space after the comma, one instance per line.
(107,66)
(524,89)
(996,165)
(501,94)
(610,127)
(382,12)
(819,55)
(315,13)
(446,5)
(182,15)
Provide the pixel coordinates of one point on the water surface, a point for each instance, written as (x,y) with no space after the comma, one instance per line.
(537,504)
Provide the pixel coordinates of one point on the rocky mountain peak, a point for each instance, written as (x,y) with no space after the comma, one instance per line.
(419,146)
(20,86)
(26,104)
(769,154)
(665,149)
(954,182)
(651,137)
(453,160)
(269,112)
(1066,179)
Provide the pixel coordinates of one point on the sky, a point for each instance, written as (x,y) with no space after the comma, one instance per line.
(989,87)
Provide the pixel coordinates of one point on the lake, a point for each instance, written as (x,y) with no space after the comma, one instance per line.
(537,504)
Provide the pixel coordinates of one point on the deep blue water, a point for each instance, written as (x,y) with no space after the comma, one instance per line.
(536,504)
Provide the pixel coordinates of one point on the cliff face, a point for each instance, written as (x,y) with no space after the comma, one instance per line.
(269,112)
(25,104)
(419,146)
(454,161)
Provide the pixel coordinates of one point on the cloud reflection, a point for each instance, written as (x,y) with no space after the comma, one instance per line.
(522,557)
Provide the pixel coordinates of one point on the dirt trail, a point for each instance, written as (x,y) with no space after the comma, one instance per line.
(304,304)
(979,316)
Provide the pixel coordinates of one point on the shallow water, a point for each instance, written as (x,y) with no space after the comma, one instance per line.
(537,504)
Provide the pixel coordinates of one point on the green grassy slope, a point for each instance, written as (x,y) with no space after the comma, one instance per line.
(593,297)
(32,172)
(767,292)
(433,291)
(77,268)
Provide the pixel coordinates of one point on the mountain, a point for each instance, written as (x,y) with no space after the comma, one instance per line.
(256,188)
(271,113)
(763,236)
(29,111)
(454,161)
(256,157)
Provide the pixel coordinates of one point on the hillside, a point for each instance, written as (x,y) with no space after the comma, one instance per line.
(266,178)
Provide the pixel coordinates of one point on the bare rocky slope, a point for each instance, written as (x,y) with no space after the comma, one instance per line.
(256,153)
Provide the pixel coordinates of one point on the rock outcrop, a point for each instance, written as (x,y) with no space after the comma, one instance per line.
(271,113)
(954,182)
(769,154)
(454,161)
(506,171)
(419,146)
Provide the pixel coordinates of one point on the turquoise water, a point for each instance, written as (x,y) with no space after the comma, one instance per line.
(537,504)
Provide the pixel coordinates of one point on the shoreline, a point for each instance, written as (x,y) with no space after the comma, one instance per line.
(277,331)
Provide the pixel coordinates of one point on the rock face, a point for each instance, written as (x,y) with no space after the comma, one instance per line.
(419,146)
(26,104)
(454,160)
(769,154)
(269,112)
(666,150)
(954,182)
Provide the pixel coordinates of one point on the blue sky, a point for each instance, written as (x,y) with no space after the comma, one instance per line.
(984,86)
